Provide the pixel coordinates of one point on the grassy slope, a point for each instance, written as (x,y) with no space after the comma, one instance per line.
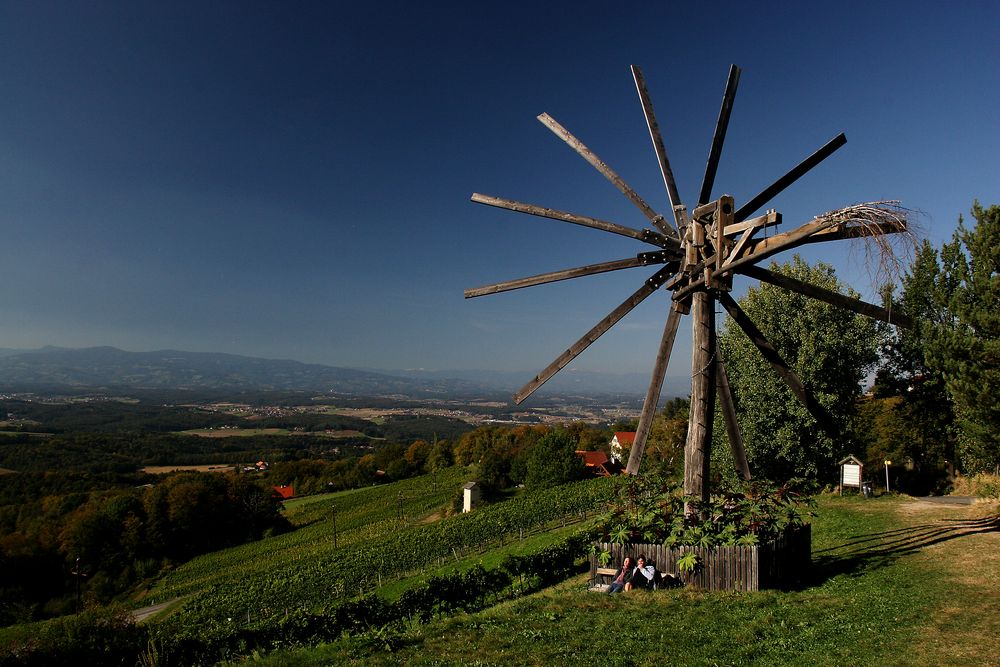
(897,582)
(362,515)
(303,569)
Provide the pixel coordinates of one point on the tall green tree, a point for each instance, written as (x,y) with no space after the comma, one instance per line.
(553,460)
(921,402)
(832,350)
(965,347)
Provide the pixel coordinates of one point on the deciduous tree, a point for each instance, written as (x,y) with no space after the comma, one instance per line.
(829,348)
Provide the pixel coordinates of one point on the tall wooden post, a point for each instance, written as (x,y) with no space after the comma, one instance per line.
(697,449)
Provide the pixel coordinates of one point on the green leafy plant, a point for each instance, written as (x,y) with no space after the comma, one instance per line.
(650,510)
(688,562)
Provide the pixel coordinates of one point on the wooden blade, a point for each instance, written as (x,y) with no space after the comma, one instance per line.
(799,170)
(834,298)
(657,139)
(653,392)
(556,276)
(651,285)
(779,365)
(609,173)
(720,135)
(856,232)
(729,416)
(645,235)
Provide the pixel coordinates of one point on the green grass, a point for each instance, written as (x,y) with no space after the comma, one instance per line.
(304,569)
(894,583)
(489,559)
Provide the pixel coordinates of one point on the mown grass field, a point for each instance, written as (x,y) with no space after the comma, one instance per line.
(895,581)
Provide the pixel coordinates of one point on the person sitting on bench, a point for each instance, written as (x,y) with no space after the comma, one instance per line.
(622,577)
(644,576)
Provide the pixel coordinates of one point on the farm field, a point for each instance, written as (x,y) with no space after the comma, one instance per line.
(896,582)
(163,470)
(247,432)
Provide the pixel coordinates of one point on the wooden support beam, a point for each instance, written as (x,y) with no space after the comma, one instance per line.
(763,248)
(737,249)
(794,174)
(758,251)
(555,276)
(609,173)
(720,134)
(780,366)
(723,219)
(834,298)
(697,449)
(658,146)
(769,219)
(729,416)
(645,235)
(705,210)
(651,285)
(653,392)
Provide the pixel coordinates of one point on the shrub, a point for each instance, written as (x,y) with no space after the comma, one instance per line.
(651,510)
(983,485)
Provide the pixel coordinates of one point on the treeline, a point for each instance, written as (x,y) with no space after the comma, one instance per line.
(939,389)
(105,542)
(536,456)
(128,451)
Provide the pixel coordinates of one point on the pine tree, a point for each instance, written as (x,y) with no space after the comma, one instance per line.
(965,347)
(923,402)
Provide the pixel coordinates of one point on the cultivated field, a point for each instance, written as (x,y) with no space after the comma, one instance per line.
(246,432)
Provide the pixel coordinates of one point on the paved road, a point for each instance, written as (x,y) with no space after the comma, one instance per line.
(142,614)
(949,500)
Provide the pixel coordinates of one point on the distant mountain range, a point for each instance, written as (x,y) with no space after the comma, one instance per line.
(111,368)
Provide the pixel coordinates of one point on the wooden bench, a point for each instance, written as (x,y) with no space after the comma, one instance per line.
(602,578)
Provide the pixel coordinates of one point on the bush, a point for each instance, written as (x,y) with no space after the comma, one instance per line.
(983,485)
(651,510)
(102,637)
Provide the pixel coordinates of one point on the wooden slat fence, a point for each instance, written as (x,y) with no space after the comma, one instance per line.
(767,565)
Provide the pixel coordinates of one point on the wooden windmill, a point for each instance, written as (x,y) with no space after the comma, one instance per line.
(700,254)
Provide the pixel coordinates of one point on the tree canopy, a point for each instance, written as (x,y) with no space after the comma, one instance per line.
(831,349)
(964,344)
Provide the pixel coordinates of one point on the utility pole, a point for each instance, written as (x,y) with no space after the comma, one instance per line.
(77,573)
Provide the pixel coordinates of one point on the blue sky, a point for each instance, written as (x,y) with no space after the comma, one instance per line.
(292,179)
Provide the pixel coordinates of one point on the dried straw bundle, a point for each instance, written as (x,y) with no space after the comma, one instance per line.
(884,228)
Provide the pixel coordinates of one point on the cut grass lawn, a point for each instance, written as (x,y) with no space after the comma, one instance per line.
(895,581)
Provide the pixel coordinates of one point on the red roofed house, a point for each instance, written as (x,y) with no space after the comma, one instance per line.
(598,463)
(283,492)
(621,444)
